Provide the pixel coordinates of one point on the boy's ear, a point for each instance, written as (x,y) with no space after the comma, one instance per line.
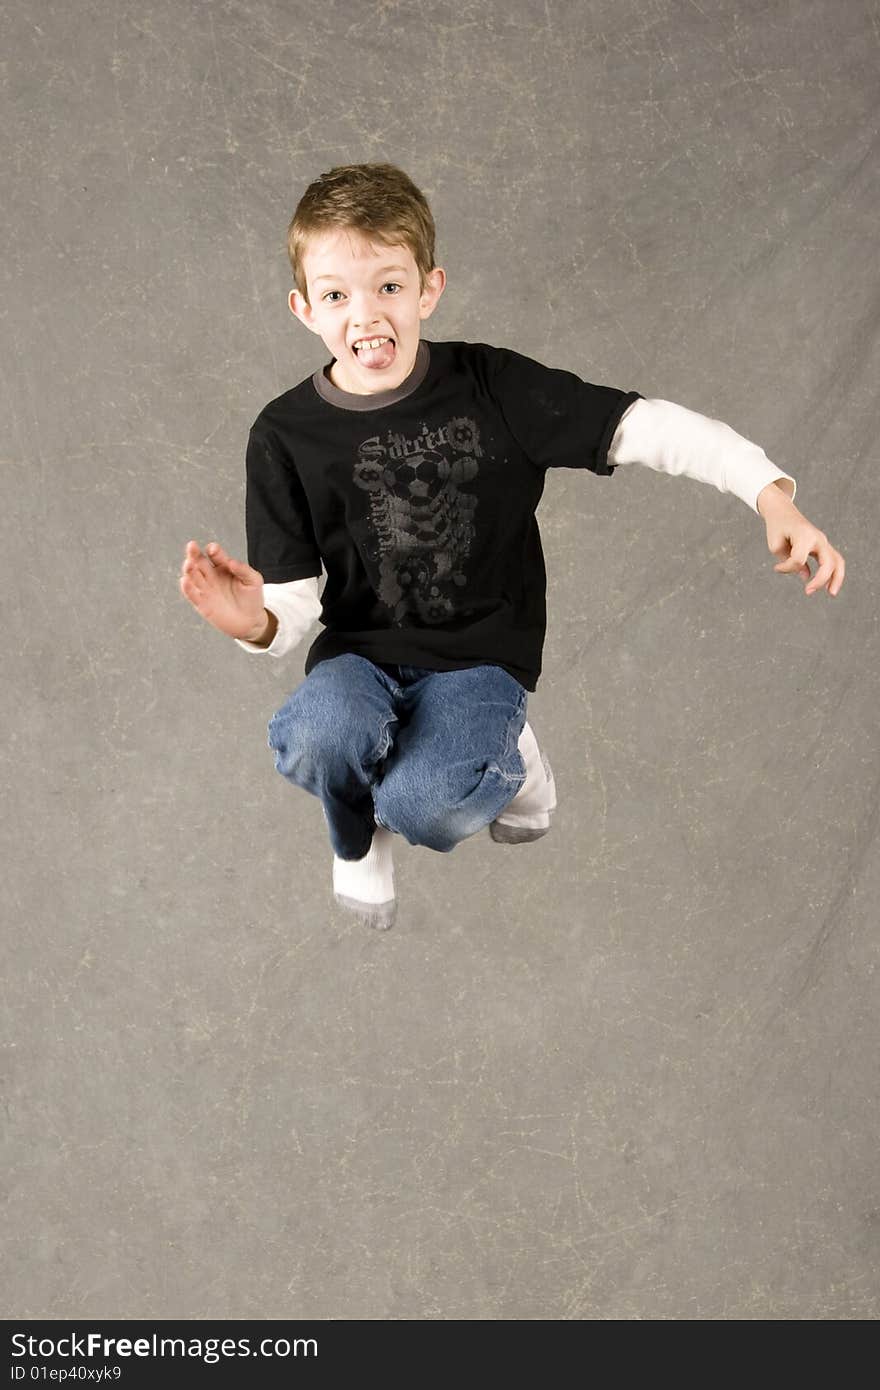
(434,287)
(302,310)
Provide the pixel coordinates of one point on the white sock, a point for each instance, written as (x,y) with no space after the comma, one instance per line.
(367,885)
(536,798)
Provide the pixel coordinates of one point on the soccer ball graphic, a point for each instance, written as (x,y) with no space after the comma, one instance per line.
(418,479)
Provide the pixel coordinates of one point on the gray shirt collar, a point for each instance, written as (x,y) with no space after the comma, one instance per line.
(352,400)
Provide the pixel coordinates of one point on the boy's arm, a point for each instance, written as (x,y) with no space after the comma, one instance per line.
(675,440)
(294,607)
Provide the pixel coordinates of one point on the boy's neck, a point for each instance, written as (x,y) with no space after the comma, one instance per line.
(333,374)
(355,400)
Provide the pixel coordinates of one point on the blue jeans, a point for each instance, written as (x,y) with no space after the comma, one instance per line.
(431,755)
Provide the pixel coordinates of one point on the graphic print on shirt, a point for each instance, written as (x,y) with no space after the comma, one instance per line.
(421,524)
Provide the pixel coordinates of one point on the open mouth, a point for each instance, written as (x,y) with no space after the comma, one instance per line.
(375,352)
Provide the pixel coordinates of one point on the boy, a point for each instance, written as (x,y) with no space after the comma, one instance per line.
(411,470)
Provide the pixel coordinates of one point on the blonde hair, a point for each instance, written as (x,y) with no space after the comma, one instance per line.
(378,200)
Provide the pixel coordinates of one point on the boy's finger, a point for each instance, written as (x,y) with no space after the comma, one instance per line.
(219,557)
(820,578)
(189,589)
(193,564)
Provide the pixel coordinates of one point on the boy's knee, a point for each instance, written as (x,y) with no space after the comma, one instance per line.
(437,817)
(304,739)
(279,743)
(417,828)
(292,735)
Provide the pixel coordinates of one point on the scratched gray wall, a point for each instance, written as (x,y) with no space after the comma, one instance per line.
(628,1071)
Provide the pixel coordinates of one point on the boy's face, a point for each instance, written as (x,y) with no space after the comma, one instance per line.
(359,289)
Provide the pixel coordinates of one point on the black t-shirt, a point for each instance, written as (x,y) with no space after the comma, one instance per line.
(420,503)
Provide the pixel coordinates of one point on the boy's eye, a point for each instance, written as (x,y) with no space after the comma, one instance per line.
(388,284)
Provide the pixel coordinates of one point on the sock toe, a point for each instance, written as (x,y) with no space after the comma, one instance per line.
(380,916)
(366,886)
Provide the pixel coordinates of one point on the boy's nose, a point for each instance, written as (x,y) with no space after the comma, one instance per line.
(364,316)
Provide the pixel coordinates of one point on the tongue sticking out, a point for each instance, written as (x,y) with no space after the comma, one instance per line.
(381,356)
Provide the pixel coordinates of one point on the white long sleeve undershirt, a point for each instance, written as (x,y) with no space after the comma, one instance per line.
(656,433)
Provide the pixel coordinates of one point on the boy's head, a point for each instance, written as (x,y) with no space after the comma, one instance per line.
(361,246)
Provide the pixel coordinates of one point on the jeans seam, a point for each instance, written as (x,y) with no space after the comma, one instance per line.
(509,744)
(519,710)
(385,737)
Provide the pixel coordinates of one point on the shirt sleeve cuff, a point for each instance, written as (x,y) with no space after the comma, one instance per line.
(773,474)
(274,647)
(296,606)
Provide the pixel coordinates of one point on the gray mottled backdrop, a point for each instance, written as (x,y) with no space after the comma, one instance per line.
(628,1071)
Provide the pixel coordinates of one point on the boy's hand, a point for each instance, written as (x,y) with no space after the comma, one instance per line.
(227,593)
(789,533)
